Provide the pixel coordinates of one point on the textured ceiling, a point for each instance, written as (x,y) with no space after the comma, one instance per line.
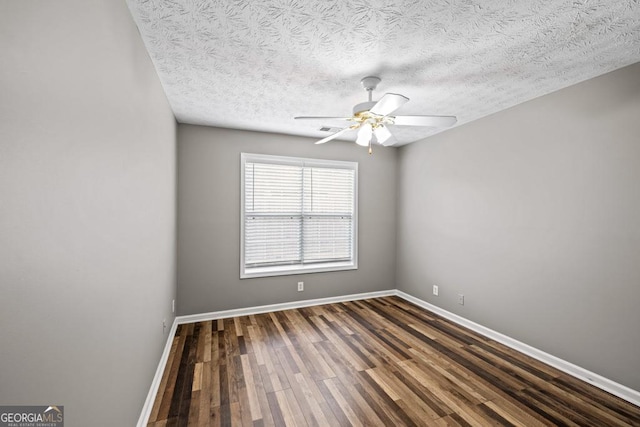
(256,64)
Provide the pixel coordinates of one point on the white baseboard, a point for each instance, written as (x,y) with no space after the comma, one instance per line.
(617,389)
(157,378)
(281,306)
(599,381)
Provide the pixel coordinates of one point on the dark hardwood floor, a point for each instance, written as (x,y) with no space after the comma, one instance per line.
(376,362)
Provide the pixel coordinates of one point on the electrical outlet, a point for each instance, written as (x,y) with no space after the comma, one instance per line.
(435,290)
(461,299)
(300,286)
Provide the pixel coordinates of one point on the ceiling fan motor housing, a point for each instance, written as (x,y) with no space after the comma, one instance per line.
(363,106)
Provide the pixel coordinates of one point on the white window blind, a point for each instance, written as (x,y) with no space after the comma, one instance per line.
(298,215)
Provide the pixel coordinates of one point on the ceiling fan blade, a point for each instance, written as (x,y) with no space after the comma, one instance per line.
(431,121)
(384,137)
(388,104)
(321,118)
(333,136)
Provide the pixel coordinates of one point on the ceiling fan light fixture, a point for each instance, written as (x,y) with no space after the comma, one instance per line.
(364,135)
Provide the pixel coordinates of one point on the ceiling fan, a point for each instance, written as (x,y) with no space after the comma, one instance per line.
(372,118)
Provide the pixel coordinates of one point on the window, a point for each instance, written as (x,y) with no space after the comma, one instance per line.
(298,215)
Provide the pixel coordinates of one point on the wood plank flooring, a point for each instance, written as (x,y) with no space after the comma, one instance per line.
(376,362)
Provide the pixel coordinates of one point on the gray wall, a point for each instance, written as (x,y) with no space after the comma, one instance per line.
(209,221)
(534,215)
(87,210)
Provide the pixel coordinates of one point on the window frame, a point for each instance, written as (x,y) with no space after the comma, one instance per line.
(292,269)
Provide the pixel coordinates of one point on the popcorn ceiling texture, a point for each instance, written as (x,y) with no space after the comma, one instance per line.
(255,65)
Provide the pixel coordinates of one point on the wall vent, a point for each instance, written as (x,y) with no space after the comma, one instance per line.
(329,129)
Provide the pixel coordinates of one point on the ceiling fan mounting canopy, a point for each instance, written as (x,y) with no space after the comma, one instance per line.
(372,118)
(370,83)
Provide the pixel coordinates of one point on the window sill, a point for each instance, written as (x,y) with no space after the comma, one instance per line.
(251,273)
